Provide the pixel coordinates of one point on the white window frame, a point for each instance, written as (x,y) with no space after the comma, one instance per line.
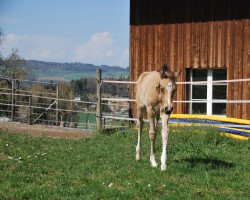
(209,91)
(209,101)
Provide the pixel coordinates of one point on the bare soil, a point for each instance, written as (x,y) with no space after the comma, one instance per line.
(43,130)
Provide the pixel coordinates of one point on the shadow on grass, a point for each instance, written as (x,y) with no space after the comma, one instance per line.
(209,163)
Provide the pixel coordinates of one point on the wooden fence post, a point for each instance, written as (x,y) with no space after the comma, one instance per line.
(98,94)
(57,106)
(30,111)
(13,101)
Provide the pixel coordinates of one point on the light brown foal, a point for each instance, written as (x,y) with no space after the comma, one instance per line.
(155,91)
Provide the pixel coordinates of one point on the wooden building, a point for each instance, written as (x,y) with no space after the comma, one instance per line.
(205,39)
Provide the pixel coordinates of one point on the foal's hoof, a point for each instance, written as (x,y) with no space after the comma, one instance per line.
(138,157)
(154,164)
(163,167)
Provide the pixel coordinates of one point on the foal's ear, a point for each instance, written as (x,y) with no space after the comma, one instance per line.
(177,74)
(166,71)
(165,68)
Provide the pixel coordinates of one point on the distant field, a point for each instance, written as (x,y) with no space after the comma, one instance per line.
(201,165)
(85,119)
(72,71)
(68,76)
(88,121)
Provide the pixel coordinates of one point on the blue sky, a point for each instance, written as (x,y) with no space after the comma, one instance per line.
(88,31)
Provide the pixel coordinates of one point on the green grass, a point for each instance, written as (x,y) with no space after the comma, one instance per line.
(85,118)
(201,165)
(88,121)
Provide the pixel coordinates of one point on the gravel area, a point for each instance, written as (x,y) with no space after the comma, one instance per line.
(43,130)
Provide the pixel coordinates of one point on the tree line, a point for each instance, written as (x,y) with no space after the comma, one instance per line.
(86,88)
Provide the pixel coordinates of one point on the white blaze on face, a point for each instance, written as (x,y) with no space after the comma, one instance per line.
(169,93)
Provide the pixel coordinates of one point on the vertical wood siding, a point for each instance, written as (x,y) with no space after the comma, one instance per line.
(193,34)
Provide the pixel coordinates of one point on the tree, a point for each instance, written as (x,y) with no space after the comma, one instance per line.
(14,67)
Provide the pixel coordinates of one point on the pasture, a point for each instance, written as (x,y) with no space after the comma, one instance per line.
(201,165)
(87,119)
(61,75)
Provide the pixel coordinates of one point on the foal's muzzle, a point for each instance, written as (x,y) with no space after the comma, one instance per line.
(168,110)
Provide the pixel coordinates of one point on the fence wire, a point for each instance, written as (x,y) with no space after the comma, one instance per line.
(86,114)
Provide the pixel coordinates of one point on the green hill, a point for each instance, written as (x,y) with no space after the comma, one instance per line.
(72,71)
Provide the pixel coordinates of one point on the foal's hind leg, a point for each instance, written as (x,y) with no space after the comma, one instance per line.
(140,112)
(157,118)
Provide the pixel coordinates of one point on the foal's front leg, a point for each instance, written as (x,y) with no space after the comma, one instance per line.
(139,127)
(152,136)
(164,132)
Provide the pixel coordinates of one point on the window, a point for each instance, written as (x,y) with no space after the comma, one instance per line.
(207,98)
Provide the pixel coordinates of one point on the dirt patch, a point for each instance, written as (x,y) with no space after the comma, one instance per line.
(47,131)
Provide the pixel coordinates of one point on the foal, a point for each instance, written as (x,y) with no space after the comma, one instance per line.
(155,91)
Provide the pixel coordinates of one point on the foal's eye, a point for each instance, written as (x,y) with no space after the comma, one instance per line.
(162,90)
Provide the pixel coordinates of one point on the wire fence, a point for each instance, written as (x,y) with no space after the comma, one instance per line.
(24,104)
(180,101)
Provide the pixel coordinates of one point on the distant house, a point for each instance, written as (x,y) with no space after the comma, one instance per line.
(77,98)
(206,39)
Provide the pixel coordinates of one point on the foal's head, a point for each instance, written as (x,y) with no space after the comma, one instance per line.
(167,88)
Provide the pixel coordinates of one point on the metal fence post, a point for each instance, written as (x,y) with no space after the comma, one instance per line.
(98,94)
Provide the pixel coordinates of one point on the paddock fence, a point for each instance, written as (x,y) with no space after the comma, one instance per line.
(130,118)
(20,102)
(36,102)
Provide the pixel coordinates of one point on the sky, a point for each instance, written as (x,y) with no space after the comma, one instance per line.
(86,31)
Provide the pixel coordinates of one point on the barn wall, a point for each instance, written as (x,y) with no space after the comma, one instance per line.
(193,34)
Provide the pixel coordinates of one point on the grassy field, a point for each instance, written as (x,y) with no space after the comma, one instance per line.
(85,118)
(68,76)
(88,121)
(201,165)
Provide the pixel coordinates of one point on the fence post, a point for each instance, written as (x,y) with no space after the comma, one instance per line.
(30,111)
(13,100)
(57,106)
(98,94)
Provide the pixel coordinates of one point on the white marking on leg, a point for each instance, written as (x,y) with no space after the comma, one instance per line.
(152,135)
(153,161)
(169,97)
(138,146)
(152,150)
(165,132)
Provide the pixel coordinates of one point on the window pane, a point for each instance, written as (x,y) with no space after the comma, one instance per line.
(219,109)
(199,91)
(199,74)
(219,91)
(219,74)
(188,86)
(188,91)
(188,72)
(199,108)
